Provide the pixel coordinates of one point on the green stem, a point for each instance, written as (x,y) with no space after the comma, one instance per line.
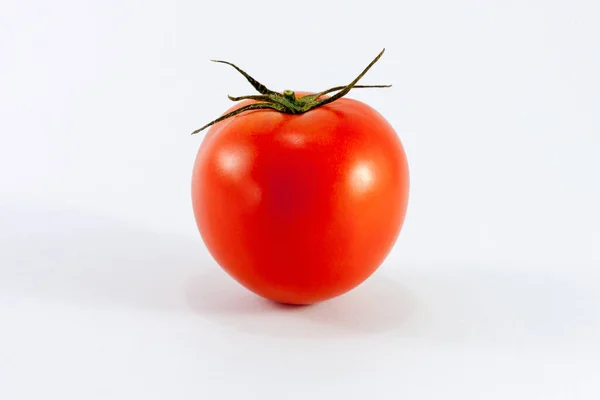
(289,95)
(335,89)
(260,88)
(288,102)
(250,97)
(254,106)
(347,89)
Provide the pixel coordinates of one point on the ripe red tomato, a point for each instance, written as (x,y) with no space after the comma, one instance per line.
(300,208)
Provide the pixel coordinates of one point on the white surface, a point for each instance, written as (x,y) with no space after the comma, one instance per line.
(106,291)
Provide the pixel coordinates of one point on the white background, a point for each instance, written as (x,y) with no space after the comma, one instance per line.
(107,292)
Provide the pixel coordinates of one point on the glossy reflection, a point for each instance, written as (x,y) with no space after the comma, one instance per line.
(293,139)
(362,177)
(232,162)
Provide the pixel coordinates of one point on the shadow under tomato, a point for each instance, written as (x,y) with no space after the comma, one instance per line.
(378,306)
(483,306)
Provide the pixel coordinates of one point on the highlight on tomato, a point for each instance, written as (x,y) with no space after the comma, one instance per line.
(300,196)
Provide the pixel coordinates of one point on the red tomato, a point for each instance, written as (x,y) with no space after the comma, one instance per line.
(301,208)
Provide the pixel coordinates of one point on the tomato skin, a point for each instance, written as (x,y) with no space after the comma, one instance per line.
(301,208)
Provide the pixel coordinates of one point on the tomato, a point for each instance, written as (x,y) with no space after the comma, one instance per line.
(301,208)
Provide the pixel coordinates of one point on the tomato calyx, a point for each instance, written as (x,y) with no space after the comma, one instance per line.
(287,102)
